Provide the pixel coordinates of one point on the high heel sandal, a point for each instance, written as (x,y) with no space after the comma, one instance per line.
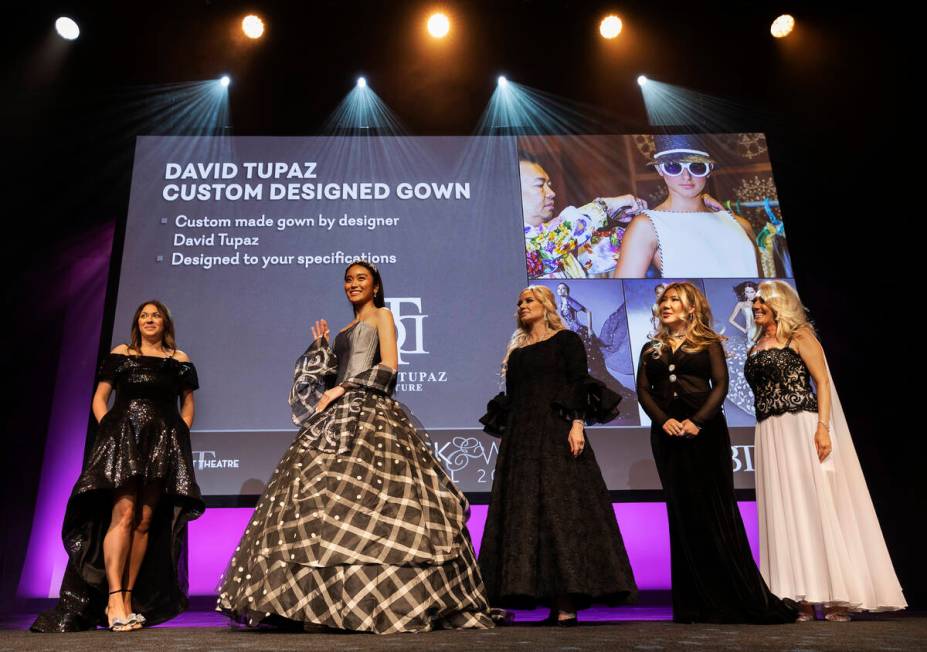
(119,624)
(837,616)
(135,618)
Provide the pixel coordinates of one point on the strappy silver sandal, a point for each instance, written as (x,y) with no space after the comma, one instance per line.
(136,617)
(120,624)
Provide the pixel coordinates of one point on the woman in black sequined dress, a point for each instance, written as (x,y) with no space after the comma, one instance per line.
(681,383)
(126,519)
(550,537)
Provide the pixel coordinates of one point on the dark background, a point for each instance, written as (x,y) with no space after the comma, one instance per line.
(843,141)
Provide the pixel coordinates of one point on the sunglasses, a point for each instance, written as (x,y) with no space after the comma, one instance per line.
(694,168)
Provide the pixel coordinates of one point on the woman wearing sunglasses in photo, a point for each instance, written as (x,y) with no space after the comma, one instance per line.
(689,234)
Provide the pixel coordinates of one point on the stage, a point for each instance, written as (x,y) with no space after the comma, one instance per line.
(630,628)
(231,165)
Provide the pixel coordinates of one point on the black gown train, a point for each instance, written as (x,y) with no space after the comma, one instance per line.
(551,530)
(141,438)
(714,576)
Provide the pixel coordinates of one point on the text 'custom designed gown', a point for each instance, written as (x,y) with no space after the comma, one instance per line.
(551,530)
(820,539)
(714,576)
(359,528)
(141,439)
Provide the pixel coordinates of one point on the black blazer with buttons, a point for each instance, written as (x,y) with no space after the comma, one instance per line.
(681,384)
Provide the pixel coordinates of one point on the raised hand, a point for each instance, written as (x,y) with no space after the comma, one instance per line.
(320,329)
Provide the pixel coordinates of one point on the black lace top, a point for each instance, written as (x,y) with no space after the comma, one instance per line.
(780,382)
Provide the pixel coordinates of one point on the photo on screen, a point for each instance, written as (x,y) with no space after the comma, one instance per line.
(644,206)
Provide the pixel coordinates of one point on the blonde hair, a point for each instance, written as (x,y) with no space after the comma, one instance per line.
(520,337)
(699,333)
(788,311)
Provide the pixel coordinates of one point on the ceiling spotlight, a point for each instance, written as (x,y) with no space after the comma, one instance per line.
(610,27)
(782,26)
(439,25)
(361,82)
(67,28)
(502,81)
(225,80)
(641,80)
(252,26)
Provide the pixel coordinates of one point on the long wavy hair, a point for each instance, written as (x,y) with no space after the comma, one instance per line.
(379,299)
(168,339)
(520,337)
(788,311)
(699,333)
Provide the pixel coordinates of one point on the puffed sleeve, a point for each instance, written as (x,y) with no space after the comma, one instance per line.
(109,367)
(313,373)
(495,421)
(645,389)
(187,377)
(719,383)
(499,409)
(582,396)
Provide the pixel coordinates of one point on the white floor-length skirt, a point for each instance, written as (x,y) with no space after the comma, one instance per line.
(820,539)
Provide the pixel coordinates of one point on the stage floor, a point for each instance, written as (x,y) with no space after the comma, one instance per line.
(630,628)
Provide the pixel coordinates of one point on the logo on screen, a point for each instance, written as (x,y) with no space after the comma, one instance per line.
(457,454)
(207,460)
(407,313)
(742,458)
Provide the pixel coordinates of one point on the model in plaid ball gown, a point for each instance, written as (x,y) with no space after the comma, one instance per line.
(359,527)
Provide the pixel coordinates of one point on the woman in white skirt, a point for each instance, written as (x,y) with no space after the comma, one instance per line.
(820,540)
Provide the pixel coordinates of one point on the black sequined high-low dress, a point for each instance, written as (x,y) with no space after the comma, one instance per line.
(141,439)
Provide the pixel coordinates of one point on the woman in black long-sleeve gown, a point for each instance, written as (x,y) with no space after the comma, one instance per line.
(550,537)
(681,384)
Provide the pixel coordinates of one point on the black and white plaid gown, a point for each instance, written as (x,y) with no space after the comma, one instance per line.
(359,527)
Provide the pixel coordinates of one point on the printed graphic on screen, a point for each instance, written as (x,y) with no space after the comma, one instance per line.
(595,310)
(700,206)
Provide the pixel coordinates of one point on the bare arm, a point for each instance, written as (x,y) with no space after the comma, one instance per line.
(187,408)
(812,354)
(100,403)
(386,330)
(638,248)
